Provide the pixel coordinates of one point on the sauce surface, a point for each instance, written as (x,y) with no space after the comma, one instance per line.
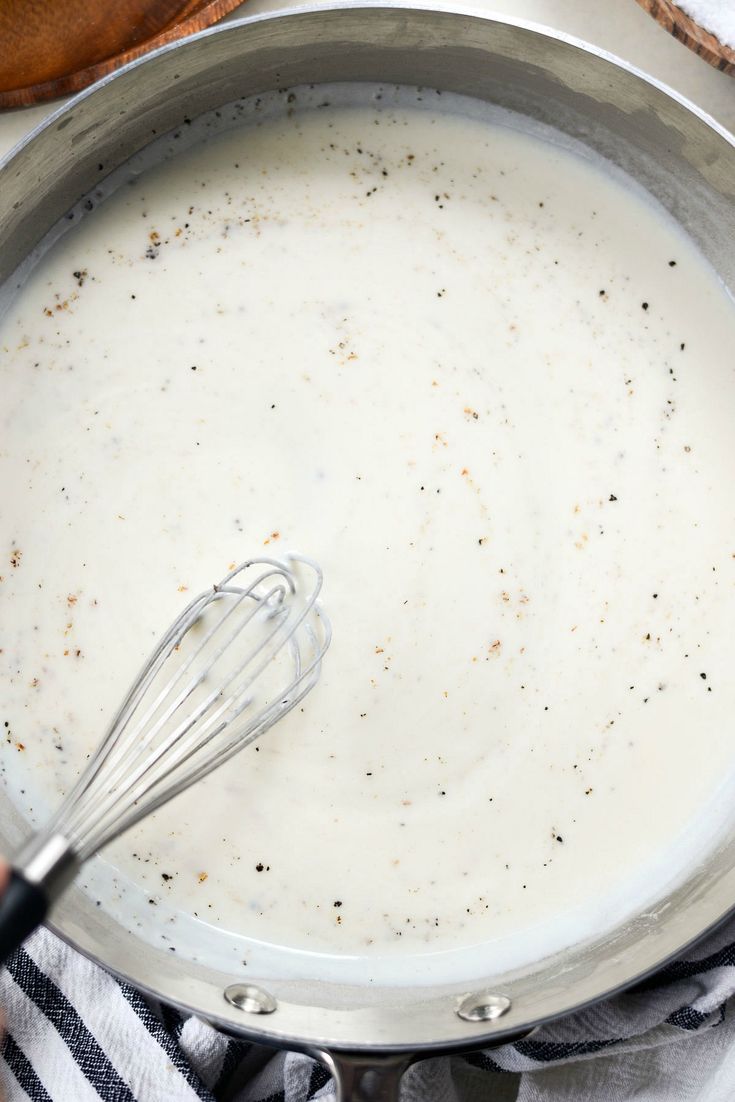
(488,386)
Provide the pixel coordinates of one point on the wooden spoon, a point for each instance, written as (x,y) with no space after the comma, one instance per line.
(678,23)
(51,48)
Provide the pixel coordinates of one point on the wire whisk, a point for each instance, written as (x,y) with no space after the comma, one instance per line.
(239,657)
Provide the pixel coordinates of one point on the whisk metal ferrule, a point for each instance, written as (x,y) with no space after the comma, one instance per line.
(49,862)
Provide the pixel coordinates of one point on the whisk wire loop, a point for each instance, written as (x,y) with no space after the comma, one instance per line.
(238,658)
(159,792)
(146,731)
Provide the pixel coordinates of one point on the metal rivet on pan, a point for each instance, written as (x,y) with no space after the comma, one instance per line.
(483,1007)
(251,999)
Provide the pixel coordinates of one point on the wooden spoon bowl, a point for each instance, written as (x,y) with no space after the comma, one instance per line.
(681,26)
(52,48)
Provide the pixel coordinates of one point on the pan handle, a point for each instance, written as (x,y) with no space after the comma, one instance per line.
(363,1078)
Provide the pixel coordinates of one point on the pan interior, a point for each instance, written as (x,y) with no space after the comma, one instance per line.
(520,493)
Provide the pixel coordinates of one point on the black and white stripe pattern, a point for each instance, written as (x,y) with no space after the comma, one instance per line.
(76,1034)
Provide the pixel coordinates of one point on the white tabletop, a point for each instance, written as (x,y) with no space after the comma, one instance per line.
(619,26)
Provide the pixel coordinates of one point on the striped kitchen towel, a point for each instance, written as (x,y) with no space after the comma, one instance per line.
(76,1034)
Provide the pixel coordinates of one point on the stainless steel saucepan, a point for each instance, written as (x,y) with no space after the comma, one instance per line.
(369,1036)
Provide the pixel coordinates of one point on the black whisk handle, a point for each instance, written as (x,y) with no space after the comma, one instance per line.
(23,907)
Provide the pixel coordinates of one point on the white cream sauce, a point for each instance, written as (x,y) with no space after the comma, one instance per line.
(489,387)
